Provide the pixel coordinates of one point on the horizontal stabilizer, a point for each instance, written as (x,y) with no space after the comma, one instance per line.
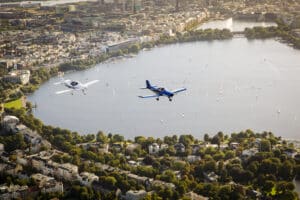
(63,91)
(150,96)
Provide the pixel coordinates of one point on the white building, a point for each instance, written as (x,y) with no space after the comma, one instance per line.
(13,192)
(18,76)
(86,178)
(9,123)
(153,148)
(47,184)
(66,171)
(135,194)
(249,152)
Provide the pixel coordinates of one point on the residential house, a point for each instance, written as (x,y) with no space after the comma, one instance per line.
(153,148)
(47,184)
(164,146)
(156,183)
(18,76)
(223,146)
(234,145)
(208,145)
(139,179)
(297,157)
(96,145)
(253,194)
(195,148)
(179,147)
(86,178)
(132,163)
(38,163)
(121,45)
(193,196)
(116,146)
(35,139)
(193,158)
(135,194)
(211,177)
(9,123)
(66,171)
(13,169)
(249,152)
(290,153)
(13,192)
(132,147)
(22,160)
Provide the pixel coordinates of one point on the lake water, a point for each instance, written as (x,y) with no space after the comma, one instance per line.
(234,25)
(232,85)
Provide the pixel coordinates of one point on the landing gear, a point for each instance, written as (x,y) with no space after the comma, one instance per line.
(83,91)
(157,99)
(170,99)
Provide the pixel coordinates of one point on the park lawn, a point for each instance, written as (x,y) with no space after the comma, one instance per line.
(14,104)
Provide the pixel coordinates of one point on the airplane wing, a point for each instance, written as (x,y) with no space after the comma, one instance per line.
(90,83)
(154,86)
(63,91)
(178,90)
(150,96)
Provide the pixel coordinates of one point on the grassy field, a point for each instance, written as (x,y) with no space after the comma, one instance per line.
(14,104)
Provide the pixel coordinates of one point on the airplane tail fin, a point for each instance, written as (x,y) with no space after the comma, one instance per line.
(148,84)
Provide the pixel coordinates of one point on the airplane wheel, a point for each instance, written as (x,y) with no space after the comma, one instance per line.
(157,99)
(170,99)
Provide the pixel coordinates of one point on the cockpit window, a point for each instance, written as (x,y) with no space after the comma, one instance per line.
(161,89)
(74,83)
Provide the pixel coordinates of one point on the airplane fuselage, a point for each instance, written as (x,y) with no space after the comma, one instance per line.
(76,85)
(161,92)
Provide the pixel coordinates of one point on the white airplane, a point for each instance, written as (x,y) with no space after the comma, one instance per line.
(75,85)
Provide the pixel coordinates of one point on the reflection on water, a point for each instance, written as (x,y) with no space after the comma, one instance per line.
(234,25)
(232,85)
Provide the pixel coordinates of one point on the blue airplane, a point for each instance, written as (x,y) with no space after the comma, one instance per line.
(159,91)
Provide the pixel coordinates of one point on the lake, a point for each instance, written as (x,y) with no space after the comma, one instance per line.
(232,85)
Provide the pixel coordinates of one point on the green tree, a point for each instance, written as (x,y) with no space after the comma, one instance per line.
(101,137)
(265,145)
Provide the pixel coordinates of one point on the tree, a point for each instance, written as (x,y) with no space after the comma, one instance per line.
(187,140)
(268,167)
(265,145)
(229,154)
(134,48)
(224,192)
(206,137)
(168,176)
(108,181)
(216,140)
(101,137)
(117,138)
(221,136)
(286,171)
(267,186)
(210,166)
